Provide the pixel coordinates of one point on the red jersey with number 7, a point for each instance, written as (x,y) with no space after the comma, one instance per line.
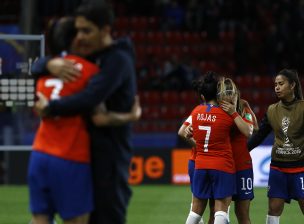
(65,137)
(211,131)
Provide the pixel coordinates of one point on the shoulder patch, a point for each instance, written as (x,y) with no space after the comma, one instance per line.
(248,116)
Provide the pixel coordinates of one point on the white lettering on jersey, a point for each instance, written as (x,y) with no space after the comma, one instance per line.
(206,117)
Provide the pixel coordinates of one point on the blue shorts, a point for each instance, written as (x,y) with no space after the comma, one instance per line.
(244,185)
(59,186)
(191,166)
(213,184)
(285,185)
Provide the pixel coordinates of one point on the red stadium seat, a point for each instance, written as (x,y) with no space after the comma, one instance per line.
(183,112)
(248,96)
(153,23)
(268,97)
(170,97)
(244,82)
(169,112)
(189,98)
(139,23)
(259,111)
(263,81)
(227,37)
(150,112)
(150,97)
(141,52)
(174,38)
(139,37)
(121,23)
(208,66)
(194,38)
(155,38)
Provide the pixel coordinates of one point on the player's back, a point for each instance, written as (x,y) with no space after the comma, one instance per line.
(65,137)
(211,131)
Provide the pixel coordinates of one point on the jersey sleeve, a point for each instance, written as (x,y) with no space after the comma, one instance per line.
(188,121)
(248,117)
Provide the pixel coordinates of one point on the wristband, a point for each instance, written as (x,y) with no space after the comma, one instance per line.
(235,115)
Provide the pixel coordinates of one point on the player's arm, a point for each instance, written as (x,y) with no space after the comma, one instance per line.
(186,132)
(254,119)
(258,137)
(38,68)
(244,127)
(106,118)
(59,67)
(99,88)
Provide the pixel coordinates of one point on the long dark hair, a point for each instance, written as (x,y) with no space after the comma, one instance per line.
(207,86)
(61,33)
(293,77)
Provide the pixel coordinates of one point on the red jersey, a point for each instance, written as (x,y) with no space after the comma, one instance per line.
(241,155)
(211,131)
(65,137)
(193,150)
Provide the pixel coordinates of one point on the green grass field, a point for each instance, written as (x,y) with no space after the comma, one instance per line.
(150,204)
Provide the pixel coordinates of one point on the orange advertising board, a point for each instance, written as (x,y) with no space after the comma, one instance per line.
(179,159)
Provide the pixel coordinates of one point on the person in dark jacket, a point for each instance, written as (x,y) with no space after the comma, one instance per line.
(115,86)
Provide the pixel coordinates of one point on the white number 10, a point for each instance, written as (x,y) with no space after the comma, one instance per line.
(208,129)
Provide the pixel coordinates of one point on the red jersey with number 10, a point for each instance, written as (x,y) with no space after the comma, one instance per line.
(241,154)
(65,137)
(211,131)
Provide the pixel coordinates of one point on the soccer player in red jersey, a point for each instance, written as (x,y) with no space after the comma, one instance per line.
(243,164)
(214,175)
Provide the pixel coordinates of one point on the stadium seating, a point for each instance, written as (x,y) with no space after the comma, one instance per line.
(168,106)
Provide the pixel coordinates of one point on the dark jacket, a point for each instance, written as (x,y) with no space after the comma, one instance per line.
(115,85)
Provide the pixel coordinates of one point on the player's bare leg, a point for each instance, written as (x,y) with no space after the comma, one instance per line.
(301,204)
(83,219)
(221,208)
(242,211)
(40,219)
(198,208)
(211,209)
(275,209)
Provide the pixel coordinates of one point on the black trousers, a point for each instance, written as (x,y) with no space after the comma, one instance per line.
(112,192)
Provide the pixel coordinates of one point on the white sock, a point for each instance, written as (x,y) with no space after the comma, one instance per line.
(228,214)
(220,217)
(272,219)
(202,221)
(193,218)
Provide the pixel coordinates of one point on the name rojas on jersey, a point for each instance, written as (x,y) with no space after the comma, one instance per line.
(206,117)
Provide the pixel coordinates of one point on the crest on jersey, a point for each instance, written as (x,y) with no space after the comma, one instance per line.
(248,116)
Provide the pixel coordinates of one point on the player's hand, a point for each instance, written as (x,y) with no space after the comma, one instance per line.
(136,109)
(228,107)
(101,118)
(245,103)
(41,104)
(63,69)
(189,131)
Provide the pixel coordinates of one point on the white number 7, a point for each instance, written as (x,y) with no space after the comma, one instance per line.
(208,129)
(57,85)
